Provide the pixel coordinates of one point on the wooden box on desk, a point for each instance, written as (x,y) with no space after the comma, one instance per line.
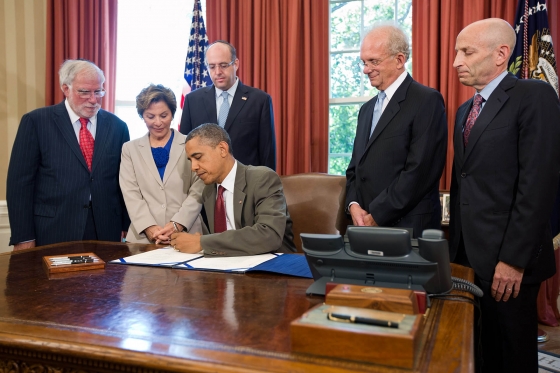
(377,298)
(313,333)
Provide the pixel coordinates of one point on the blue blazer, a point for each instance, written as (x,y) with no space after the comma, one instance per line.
(49,185)
(250,122)
(394,174)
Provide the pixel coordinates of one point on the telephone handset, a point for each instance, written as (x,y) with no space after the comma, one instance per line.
(433,247)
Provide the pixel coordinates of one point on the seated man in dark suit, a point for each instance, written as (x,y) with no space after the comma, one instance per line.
(246,207)
(246,114)
(63,178)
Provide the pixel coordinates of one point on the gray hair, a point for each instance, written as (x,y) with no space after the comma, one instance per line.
(210,134)
(70,68)
(397,40)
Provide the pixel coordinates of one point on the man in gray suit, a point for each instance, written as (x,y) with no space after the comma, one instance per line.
(63,177)
(246,207)
(401,142)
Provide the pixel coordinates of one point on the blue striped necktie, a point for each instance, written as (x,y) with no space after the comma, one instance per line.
(377,110)
(224,110)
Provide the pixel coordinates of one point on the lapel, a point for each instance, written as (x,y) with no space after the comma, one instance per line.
(146,152)
(460,120)
(209,101)
(101,141)
(62,121)
(393,107)
(239,100)
(239,193)
(209,200)
(497,99)
(177,148)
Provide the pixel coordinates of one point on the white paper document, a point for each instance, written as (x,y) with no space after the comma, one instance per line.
(166,257)
(234,263)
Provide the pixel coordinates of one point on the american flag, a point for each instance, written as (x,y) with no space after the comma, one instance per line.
(196,74)
(533,57)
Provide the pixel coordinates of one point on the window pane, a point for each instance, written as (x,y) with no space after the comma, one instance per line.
(346,25)
(342,123)
(346,76)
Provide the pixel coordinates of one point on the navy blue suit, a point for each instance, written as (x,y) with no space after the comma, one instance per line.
(250,122)
(49,185)
(394,174)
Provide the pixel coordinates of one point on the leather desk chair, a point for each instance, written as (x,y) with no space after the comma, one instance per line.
(316,204)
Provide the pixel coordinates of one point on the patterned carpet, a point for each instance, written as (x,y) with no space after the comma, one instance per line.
(548,362)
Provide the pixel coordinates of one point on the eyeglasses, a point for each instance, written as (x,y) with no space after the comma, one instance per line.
(87,94)
(371,63)
(222,66)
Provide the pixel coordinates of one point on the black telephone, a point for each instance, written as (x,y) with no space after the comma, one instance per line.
(382,257)
(433,247)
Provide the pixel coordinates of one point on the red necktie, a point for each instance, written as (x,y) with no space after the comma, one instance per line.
(86,142)
(220,224)
(475,110)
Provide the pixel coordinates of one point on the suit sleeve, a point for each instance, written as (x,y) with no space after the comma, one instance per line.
(424,164)
(124,213)
(267,137)
(22,173)
(186,123)
(266,232)
(191,206)
(539,165)
(137,207)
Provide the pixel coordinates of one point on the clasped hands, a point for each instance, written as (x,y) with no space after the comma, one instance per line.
(160,235)
(360,217)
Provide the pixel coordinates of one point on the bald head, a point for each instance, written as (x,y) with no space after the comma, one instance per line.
(483,51)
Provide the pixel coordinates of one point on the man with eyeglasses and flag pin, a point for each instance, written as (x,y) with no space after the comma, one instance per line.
(401,141)
(244,112)
(63,176)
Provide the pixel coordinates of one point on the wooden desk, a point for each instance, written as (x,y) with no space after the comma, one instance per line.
(145,319)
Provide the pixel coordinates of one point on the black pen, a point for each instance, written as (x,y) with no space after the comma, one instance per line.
(66,262)
(362,320)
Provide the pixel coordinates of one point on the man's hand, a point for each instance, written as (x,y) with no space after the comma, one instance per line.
(507,281)
(24,245)
(186,242)
(358,214)
(369,221)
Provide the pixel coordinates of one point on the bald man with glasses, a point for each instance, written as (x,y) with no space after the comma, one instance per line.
(244,112)
(63,177)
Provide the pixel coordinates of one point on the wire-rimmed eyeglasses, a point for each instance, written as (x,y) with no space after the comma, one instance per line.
(222,66)
(371,63)
(87,94)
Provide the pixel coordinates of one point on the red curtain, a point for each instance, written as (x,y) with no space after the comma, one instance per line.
(81,29)
(435,26)
(283,49)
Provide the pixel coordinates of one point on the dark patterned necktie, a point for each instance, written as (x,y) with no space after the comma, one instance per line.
(220,224)
(86,142)
(475,110)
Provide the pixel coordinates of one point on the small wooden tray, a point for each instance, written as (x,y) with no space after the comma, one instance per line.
(51,268)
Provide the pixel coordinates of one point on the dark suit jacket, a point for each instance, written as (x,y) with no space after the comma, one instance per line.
(250,122)
(394,175)
(49,184)
(504,183)
(262,222)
